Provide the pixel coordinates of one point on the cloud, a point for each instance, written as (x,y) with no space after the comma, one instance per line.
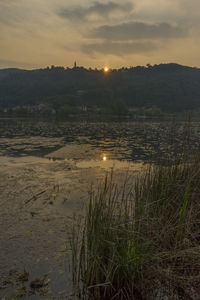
(4,63)
(119,48)
(10,12)
(137,30)
(101,10)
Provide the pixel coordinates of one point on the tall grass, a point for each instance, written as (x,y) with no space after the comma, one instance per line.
(141,242)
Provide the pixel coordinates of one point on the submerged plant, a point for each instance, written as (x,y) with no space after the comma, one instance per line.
(142,241)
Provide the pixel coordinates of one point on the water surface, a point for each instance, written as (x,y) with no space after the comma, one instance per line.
(47,170)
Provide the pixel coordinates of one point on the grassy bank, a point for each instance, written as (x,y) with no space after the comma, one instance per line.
(141,241)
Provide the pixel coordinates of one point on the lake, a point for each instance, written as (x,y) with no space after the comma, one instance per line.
(47,171)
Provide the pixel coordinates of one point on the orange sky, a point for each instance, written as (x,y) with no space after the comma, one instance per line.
(37,33)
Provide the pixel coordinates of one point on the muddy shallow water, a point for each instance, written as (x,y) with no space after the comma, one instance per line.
(46,173)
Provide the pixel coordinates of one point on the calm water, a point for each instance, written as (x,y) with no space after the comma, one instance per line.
(46,173)
(130,141)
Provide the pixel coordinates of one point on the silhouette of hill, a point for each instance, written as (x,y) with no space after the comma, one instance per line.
(168,87)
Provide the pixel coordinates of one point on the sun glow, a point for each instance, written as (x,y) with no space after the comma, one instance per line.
(106,69)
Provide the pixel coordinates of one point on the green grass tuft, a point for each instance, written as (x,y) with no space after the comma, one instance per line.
(141,241)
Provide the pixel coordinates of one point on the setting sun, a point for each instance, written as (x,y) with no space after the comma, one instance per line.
(106,69)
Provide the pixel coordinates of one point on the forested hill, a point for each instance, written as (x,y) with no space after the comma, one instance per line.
(169,87)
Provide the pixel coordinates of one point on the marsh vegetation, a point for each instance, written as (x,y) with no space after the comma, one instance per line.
(141,240)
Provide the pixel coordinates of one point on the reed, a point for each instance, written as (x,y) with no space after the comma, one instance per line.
(141,241)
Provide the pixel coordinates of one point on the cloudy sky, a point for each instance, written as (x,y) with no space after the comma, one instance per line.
(37,33)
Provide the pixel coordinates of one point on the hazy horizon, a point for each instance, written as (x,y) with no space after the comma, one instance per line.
(36,34)
(93,68)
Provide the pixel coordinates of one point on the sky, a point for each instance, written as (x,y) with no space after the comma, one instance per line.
(116,33)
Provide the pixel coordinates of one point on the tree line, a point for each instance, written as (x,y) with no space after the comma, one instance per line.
(158,88)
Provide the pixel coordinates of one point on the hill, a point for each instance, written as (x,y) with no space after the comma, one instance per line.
(168,87)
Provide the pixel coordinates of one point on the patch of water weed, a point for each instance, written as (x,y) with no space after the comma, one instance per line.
(24,276)
(19,285)
(123,140)
(141,242)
